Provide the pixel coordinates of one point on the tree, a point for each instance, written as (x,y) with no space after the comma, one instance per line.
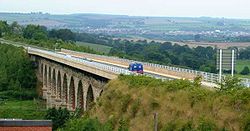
(35,32)
(244,53)
(245,71)
(197,81)
(16,28)
(230,83)
(16,69)
(4,28)
(64,34)
(58,116)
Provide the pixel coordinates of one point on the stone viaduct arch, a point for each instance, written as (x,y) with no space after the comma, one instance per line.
(67,87)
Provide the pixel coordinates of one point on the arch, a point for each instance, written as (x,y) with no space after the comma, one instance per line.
(65,88)
(59,83)
(49,80)
(72,93)
(45,75)
(41,70)
(80,99)
(53,81)
(90,97)
(101,93)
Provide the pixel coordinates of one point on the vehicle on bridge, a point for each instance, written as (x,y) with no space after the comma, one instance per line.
(136,67)
(69,56)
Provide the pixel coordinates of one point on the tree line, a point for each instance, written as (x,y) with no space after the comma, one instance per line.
(40,36)
(199,58)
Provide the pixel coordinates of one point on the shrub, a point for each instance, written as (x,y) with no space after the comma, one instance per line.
(188,126)
(58,117)
(230,83)
(154,104)
(135,107)
(197,81)
(86,124)
(123,126)
(124,102)
(246,123)
(171,126)
(245,71)
(206,125)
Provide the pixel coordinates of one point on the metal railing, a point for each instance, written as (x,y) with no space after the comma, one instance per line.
(206,76)
(93,64)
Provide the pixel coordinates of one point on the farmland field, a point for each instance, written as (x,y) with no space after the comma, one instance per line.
(240,64)
(96,47)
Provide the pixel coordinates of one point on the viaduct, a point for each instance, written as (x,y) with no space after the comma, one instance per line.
(75,80)
(71,82)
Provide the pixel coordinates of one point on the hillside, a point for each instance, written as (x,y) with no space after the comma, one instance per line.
(124,21)
(159,28)
(131,101)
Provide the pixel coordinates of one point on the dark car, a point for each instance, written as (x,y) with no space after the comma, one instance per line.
(136,67)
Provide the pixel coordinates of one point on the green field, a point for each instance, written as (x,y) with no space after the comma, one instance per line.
(96,47)
(22,109)
(240,64)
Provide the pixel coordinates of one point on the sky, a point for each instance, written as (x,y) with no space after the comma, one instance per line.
(178,8)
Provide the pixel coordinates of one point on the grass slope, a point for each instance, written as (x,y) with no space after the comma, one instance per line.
(180,105)
(240,64)
(22,109)
(96,47)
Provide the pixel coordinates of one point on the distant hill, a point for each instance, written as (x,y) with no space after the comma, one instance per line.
(123,21)
(130,26)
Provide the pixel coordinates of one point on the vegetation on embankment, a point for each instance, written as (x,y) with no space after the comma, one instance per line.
(18,95)
(16,69)
(130,102)
(22,109)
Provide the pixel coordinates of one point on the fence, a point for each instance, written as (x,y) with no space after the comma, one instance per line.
(93,64)
(207,77)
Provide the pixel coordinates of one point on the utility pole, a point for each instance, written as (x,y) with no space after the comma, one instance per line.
(220,69)
(155,121)
(232,63)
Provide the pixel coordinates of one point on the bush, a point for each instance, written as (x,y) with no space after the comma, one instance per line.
(58,117)
(230,83)
(245,71)
(16,69)
(246,122)
(87,124)
(171,126)
(154,104)
(189,126)
(123,126)
(206,125)
(135,107)
(124,102)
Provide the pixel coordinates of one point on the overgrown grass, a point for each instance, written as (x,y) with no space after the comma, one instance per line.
(22,109)
(23,104)
(23,94)
(181,105)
